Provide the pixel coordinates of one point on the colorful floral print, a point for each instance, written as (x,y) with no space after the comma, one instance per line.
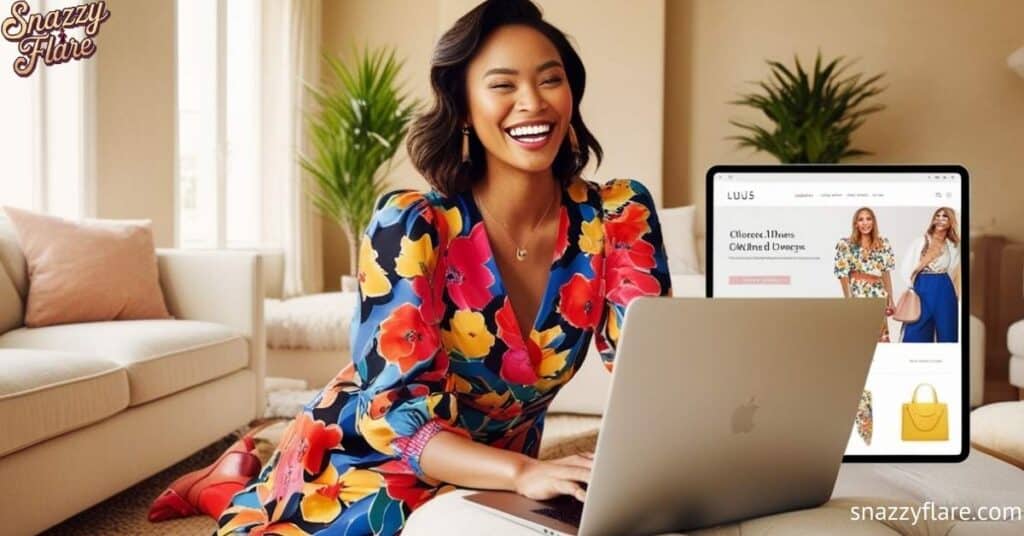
(437,346)
(852,257)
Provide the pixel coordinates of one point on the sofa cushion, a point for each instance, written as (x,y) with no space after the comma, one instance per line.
(12,309)
(1017,371)
(1015,338)
(677,231)
(998,429)
(12,260)
(12,275)
(162,356)
(45,393)
(88,271)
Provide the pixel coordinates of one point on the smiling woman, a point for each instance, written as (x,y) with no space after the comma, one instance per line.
(478,299)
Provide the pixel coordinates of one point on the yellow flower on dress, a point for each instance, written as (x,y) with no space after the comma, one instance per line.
(454,218)
(469,336)
(324,497)
(373,280)
(616,193)
(551,362)
(416,257)
(592,237)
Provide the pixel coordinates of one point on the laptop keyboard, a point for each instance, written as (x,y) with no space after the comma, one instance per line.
(565,509)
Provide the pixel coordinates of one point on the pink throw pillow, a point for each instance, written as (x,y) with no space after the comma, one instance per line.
(88,271)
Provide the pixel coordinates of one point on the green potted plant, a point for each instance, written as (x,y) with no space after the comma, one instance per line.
(361,118)
(813,114)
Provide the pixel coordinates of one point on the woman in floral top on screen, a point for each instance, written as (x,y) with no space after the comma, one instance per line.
(478,299)
(863,264)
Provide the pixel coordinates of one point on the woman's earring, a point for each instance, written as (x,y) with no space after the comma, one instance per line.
(574,144)
(465,144)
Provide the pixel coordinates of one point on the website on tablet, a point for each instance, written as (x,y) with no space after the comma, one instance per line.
(861,235)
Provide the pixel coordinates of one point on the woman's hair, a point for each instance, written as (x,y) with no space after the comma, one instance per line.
(876,240)
(952,235)
(435,138)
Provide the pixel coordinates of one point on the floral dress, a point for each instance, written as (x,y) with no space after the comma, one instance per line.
(436,346)
(852,257)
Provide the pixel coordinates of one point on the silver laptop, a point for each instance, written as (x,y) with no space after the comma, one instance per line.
(719,410)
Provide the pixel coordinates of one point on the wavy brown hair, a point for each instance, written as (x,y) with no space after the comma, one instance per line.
(435,138)
(876,240)
(952,234)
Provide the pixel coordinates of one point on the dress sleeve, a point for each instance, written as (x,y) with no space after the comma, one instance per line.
(635,262)
(888,257)
(400,366)
(842,265)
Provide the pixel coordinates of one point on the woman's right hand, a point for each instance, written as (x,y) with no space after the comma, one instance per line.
(542,480)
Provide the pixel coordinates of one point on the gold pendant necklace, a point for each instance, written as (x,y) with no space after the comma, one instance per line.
(521,251)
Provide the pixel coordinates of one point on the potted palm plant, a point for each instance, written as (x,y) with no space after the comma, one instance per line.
(361,118)
(813,114)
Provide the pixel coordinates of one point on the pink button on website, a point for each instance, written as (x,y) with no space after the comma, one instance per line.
(758,279)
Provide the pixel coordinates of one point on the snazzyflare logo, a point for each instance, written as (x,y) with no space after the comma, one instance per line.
(45,35)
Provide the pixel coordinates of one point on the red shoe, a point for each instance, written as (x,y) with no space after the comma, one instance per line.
(208,490)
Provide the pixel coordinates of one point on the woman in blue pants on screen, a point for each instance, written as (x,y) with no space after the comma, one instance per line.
(935,278)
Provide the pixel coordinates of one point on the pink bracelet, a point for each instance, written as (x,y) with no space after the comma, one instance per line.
(410,448)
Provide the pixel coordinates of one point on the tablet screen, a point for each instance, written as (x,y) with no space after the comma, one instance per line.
(862,231)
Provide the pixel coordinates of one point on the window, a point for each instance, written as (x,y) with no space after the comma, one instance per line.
(220,196)
(46,145)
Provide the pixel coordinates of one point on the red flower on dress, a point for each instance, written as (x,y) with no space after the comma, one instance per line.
(508,326)
(303,446)
(580,301)
(405,338)
(517,366)
(626,282)
(624,232)
(431,307)
(519,363)
(467,277)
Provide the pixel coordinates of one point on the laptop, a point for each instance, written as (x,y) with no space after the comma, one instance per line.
(719,410)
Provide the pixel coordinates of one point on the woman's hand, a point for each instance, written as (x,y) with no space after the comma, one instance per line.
(541,480)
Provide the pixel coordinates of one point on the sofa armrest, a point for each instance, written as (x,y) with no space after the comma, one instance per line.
(224,287)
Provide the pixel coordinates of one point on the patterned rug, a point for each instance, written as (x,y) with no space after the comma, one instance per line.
(125,513)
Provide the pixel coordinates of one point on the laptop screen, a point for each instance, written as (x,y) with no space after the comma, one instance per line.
(862,231)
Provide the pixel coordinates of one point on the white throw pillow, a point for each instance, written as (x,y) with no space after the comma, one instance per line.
(677,230)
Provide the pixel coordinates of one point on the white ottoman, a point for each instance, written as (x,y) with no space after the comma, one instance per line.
(1015,343)
(998,429)
(308,336)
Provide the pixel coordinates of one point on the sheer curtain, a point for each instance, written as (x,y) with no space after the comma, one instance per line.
(291,59)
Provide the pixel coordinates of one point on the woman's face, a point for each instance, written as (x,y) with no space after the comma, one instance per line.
(519,99)
(865,223)
(941,221)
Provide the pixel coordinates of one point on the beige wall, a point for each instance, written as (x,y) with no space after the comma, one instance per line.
(950,96)
(135,108)
(621,43)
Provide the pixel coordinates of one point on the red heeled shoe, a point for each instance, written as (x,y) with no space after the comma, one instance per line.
(208,490)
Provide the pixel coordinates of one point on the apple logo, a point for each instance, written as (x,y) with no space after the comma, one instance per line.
(743,417)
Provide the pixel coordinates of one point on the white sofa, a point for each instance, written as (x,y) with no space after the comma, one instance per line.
(87,410)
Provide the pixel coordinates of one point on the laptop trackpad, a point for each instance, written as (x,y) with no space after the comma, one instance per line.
(564,508)
(562,514)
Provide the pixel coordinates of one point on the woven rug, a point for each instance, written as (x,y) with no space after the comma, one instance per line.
(125,513)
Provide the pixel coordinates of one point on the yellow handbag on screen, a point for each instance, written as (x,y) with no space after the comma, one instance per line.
(925,421)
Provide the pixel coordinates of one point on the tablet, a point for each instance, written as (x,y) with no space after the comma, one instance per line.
(896,232)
